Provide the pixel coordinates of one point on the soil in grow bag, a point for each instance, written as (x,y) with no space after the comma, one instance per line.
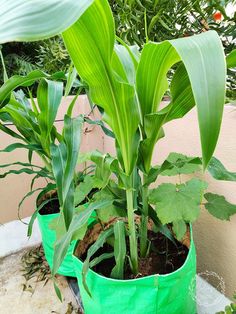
(52,207)
(46,215)
(165,284)
(164,257)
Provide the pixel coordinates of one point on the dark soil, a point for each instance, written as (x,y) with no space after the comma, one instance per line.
(52,207)
(164,258)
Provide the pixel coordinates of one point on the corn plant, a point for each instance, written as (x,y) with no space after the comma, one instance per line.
(129,85)
(36,132)
(34,121)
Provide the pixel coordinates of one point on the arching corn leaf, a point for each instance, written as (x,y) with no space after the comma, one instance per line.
(207,76)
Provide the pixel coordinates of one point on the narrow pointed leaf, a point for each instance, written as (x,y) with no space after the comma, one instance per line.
(64,161)
(79,221)
(17,80)
(119,250)
(92,250)
(92,57)
(49,96)
(12,147)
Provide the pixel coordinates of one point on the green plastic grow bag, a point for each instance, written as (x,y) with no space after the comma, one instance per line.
(163,294)
(48,239)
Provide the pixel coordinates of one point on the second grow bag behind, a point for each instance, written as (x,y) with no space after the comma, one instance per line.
(48,240)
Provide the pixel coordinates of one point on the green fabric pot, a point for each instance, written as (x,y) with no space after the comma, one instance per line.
(162,294)
(48,239)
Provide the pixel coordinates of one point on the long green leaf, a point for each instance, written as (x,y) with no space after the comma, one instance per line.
(207,75)
(25,197)
(42,173)
(10,132)
(10,148)
(92,57)
(119,250)
(92,250)
(64,160)
(49,96)
(31,20)
(17,80)
(79,221)
(100,258)
(18,163)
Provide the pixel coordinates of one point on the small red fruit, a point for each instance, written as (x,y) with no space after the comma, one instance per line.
(217,16)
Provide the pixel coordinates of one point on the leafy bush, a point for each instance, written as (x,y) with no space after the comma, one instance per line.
(169,19)
(165,19)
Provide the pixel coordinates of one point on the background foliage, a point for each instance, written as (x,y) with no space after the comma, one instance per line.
(165,19)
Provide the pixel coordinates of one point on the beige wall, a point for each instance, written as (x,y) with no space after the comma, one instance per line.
(215,240)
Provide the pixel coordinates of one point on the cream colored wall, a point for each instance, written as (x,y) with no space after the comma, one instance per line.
(215,240)
(14,187)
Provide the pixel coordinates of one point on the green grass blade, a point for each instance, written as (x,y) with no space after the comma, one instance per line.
(119,250)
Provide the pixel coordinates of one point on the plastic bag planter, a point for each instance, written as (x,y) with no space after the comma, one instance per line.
(157,294)
(48,239)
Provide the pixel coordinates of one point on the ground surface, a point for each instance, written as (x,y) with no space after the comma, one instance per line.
(37,297)
(40,298)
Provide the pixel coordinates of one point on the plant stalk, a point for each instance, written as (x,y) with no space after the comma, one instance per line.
(47,164)
(144,220)
(132,231)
